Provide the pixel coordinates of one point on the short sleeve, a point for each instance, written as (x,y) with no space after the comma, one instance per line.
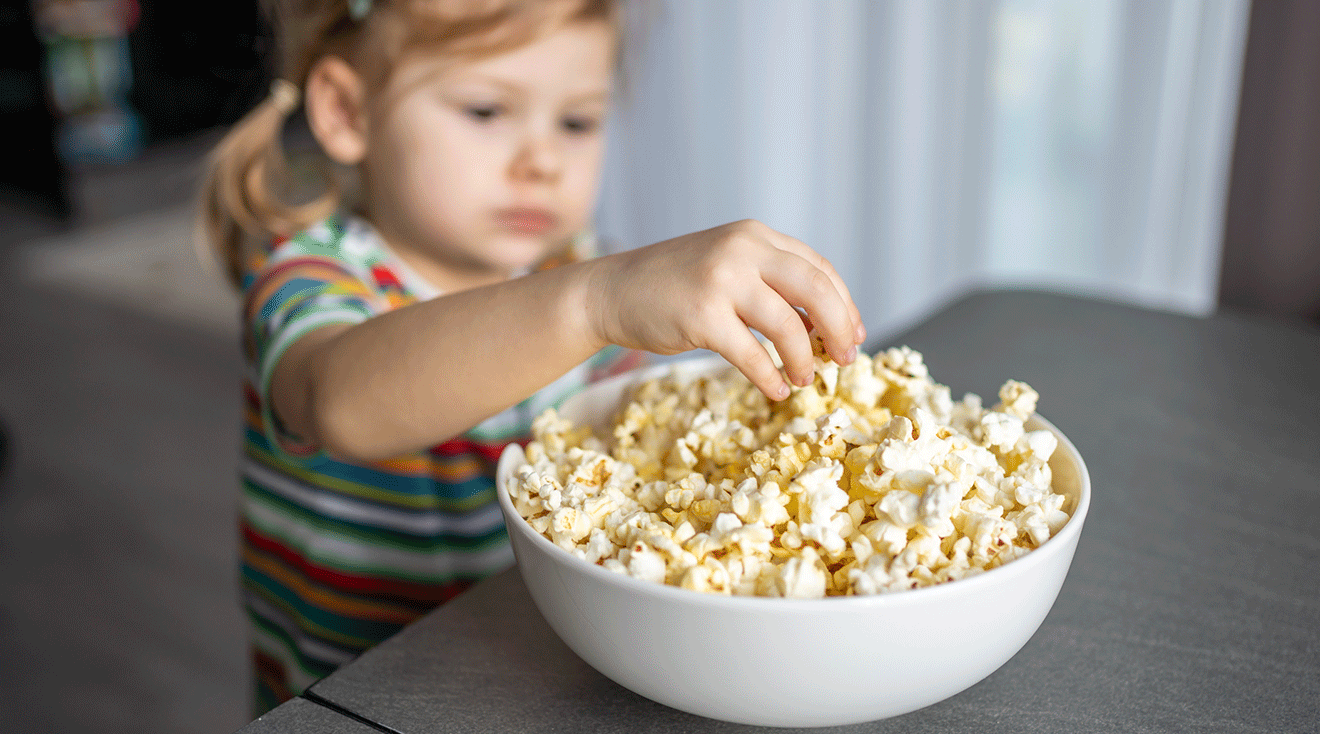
(287,300)
(615,360)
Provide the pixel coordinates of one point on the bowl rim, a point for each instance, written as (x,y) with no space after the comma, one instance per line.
(1053,546)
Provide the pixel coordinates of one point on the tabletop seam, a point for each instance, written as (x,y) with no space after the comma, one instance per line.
(326,703)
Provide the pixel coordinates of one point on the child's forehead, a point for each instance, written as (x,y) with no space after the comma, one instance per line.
(576,60)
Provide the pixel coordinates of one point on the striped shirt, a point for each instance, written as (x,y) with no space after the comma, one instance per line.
(338,556)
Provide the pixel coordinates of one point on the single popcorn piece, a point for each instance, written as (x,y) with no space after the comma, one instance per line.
(1018,399)
(802,576)
(869,480)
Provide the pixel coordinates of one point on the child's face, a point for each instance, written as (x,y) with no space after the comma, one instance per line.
(486,167)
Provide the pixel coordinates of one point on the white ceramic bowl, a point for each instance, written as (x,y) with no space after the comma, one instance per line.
(790,662)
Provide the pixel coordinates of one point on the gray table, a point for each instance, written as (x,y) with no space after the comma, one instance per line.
(1193,603)
(301,716)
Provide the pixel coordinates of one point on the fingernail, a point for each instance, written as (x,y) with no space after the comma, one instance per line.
(851,355)
(782,392)
(860,334)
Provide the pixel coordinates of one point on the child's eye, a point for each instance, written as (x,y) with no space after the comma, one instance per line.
(579,125)
(483,113)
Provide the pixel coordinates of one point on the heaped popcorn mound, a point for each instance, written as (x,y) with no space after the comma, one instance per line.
(869,480)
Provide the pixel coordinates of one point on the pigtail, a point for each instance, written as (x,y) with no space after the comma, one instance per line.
(246,178)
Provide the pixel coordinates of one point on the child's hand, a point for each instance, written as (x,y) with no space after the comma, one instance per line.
(706,290)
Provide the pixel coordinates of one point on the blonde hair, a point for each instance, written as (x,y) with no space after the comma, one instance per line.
(245,188)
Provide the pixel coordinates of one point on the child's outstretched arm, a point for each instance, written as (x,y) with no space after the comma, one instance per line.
(416,376)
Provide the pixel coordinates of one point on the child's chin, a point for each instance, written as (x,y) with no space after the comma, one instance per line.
(519,256)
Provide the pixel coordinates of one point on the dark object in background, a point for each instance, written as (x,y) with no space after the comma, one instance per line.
(1272,231)
(193,67)
(32,173)
(198,66)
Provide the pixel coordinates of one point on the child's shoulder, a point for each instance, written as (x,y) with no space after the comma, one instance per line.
(338,236)
(342,239)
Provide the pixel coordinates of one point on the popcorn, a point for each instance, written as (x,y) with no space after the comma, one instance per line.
(870,480)
(802,576)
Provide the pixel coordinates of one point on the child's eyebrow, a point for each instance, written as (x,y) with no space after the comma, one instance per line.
(519,90)
(507,86)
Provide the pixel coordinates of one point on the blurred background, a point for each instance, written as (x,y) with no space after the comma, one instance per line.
(1161,153)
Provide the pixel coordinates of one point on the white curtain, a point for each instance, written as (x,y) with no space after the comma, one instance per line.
(927,148)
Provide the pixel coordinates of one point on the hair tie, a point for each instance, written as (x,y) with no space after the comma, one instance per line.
(358,9)
(284,95)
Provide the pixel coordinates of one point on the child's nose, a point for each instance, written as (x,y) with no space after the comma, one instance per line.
(538,159)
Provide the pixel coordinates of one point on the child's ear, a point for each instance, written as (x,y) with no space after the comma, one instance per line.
(336,110)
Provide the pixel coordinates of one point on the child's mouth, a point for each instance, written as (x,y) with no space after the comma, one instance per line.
(523,220)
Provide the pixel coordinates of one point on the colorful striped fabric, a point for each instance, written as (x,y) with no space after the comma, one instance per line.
(336,556)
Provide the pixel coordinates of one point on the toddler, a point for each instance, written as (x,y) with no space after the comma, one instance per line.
(398,339)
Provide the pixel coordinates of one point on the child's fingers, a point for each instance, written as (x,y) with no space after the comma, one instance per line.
(800,248)
(802,284)
(768,312)
(742,350)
